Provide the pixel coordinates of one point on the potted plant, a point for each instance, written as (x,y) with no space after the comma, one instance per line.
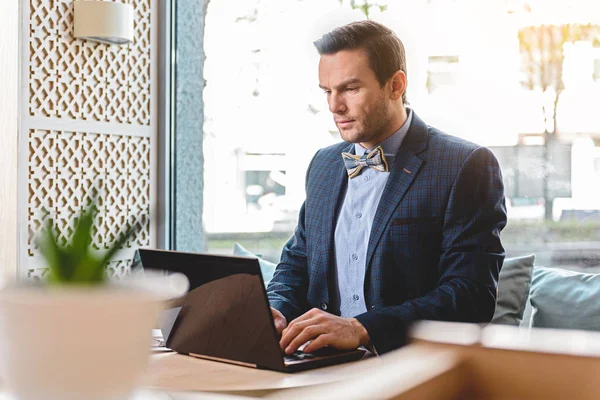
(78,335)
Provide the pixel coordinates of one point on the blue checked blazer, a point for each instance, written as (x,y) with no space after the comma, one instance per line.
(434,251)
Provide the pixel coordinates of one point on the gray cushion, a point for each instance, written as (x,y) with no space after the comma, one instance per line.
(565,299)
(267,268)
(513,290)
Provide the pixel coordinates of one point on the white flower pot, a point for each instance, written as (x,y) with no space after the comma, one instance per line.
(75,343)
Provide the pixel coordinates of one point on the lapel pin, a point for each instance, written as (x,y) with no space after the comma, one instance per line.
(405,170)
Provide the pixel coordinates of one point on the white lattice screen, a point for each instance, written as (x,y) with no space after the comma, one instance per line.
(87,130)
(84,80)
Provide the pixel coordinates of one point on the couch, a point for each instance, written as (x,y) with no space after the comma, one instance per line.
(542,297)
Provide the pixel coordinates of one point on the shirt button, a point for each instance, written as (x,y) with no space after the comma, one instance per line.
(354,257)
(355,297)
(358,215)
(367,177)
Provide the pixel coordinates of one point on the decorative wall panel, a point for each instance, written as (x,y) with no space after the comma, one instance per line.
(115,270)
(84,80)
(87,131)
(68,169)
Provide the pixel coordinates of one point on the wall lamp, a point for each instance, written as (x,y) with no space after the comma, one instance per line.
(104,22)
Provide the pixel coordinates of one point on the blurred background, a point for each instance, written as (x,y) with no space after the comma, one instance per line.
(521,77)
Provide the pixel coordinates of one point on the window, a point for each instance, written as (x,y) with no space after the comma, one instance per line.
(501,78)
(442,72)
(441,1)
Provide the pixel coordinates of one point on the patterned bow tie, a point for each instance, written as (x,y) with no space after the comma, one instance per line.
(375,159)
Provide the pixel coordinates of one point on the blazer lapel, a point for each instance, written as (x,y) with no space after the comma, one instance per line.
(402,174)
(337,178)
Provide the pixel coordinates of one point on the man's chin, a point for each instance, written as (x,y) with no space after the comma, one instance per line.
(350,137)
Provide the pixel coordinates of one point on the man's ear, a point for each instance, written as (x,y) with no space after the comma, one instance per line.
(398,85)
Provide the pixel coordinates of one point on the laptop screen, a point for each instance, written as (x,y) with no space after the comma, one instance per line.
(198,268)
(225,314)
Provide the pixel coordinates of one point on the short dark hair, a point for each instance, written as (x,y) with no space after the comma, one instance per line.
(384,49)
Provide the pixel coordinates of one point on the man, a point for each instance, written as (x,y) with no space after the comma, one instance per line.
(401,222)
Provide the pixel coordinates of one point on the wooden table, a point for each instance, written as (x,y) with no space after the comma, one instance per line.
(175,372)
(445,361)
(172,371)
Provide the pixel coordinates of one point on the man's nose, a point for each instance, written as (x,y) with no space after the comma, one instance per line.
(336,104)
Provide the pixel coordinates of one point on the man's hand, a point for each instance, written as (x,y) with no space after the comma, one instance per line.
(279,319)
(323,329)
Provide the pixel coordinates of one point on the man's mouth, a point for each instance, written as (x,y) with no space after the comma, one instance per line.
(343,123)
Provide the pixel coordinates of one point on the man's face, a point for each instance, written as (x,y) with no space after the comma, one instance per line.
(361,108)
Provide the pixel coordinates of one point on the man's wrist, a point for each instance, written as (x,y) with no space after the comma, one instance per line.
(363,335)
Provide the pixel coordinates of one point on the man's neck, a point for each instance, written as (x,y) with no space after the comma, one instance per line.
(400,117)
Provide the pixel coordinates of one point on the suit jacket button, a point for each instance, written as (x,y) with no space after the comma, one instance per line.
(324,306)
(372,307)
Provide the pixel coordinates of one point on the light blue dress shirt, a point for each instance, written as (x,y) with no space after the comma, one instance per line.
(354,225)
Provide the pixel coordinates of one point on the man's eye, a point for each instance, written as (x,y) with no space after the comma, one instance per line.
(351,89)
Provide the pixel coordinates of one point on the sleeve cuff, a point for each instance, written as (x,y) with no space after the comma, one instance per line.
(387,333)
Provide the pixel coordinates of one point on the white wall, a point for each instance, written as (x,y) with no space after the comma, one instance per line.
(9,77)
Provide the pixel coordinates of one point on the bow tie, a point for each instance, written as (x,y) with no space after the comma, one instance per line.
(375,159)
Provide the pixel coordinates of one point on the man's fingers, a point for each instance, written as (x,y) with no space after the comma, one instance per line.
(278,320)
(293,330)
(318,343)
(322,329)
(304,328)
(304,317)
(279,325)
(313,314)
(297,325)
(309,333)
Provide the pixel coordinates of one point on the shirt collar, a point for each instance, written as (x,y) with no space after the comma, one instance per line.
(392,144)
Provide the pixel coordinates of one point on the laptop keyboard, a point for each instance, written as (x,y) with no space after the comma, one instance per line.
(322,352)
(299,355)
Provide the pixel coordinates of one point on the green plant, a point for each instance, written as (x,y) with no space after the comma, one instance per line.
(77,262)
(366,5)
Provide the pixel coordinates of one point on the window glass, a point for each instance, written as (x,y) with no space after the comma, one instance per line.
(521,77)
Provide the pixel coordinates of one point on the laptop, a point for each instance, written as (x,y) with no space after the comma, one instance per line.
(225,316)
